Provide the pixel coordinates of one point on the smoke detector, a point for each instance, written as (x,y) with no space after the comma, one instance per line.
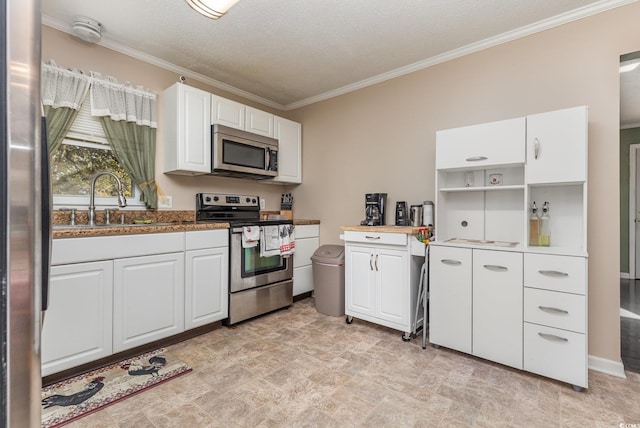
(86,29)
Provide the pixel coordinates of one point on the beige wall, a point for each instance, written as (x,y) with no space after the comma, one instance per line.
(68,51)
(382,138)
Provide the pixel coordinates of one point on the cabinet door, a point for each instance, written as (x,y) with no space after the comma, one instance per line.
(289,135)
(557,146)
(148,299)
(359,281)
(78,323)
(497,306)
(227,112)
(302,269)
(206,286)
(258,121)
(479,146)
(450,273)
(392,301)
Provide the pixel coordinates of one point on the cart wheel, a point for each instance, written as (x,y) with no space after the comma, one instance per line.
(406,337)
(577,388)
(348,319)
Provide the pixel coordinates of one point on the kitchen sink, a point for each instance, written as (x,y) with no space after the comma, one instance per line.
(101,226)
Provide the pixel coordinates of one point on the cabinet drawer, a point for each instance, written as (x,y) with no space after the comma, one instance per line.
(198,240)
(487,144)
(554,353)
(307,231)
(554,309)
(556,273)
(376,237)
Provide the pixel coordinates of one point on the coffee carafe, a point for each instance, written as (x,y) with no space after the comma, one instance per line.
(374,209)
(415,217)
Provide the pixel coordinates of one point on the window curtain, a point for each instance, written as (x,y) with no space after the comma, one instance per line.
(128,117)
(62,93)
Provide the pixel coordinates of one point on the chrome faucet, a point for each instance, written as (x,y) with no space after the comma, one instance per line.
(122,201)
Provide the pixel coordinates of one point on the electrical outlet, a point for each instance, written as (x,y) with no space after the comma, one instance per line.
(262,203)
(165,201)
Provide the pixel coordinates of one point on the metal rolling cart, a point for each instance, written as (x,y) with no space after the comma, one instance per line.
(423,297)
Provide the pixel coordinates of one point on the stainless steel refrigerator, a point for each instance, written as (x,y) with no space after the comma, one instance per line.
(24,214)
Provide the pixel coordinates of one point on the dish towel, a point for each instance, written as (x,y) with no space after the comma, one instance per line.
(269,241)
(250,236)
(287,240)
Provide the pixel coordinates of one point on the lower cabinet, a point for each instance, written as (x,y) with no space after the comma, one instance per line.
(381,280)
(113,293)
(78,324)
(527,311)
(148,299)
(307,242)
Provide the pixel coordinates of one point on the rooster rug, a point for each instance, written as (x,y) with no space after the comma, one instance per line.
(79,396)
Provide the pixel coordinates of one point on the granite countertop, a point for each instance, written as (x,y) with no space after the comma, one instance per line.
(60,231)
(304,222)
(409,230)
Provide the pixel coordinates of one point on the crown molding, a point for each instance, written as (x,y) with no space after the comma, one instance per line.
(528,30)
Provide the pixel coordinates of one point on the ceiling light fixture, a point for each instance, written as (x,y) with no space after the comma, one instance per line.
(629,65)
(213,9)
(86,29)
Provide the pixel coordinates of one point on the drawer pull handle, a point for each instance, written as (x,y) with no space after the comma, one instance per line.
(476,158)
(496,268)
(553,310)
(451,262)
(372,237)
(536,148)
(553,273)
(553,337)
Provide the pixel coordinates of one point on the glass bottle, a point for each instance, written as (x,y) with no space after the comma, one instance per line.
(534,225)
(545,226)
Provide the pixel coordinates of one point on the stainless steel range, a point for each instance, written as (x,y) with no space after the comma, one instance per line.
(257,284)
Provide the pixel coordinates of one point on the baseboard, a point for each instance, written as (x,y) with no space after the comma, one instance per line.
(625,275)
(613,368)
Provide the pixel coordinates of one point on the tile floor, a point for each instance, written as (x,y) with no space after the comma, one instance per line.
(296,368)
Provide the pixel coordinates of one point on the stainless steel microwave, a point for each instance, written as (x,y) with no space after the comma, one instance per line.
(239,153)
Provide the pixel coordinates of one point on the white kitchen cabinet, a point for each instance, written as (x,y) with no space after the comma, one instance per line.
(78,323)
(148,299)
(497,306)
(227,112)
(494,143)
(187,130)
(556,146)
(259,122)
(485,209)
(206,277)
(307,242)
(289,136)
(239,116)
(381,279)
(450,297)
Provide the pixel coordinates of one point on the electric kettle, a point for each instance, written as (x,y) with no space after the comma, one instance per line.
(415,216)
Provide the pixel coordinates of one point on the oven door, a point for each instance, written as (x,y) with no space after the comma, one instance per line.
(249,270)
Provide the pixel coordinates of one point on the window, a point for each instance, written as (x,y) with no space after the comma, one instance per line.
(83,153)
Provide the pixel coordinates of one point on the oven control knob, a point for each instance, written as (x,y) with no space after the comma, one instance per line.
(248,200)
(207,199)
(215,198)
(253,200)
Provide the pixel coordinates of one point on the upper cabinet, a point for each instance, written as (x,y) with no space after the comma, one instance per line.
(187,130)
(289,135)
(487,144)
(556,146)
(235,115)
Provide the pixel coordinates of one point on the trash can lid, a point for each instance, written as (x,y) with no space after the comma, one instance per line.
(330,254)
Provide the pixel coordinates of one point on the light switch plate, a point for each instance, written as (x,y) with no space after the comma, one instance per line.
(165,201)
(262,203)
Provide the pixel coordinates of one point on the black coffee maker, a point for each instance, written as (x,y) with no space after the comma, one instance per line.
(374,209)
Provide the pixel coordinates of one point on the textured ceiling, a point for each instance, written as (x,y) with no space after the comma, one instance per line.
(288,53)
